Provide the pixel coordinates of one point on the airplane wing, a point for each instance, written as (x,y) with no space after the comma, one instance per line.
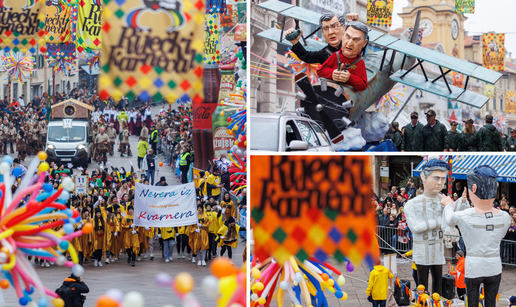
(298,14)
(443,61)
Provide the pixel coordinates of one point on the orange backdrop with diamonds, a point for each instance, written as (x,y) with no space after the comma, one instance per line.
(152,51)
(313,206)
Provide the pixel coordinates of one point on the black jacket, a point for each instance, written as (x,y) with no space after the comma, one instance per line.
(224,179)
(313,56)
(71,291)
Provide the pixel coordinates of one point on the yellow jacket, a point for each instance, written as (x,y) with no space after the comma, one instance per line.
(214,220)
(379,282)
(409,253)
(167,232)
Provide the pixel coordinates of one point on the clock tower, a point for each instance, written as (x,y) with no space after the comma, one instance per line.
(439,24)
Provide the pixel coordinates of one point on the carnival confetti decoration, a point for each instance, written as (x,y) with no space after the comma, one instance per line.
(464,6)
(392,99)
(62,65)
(170,73)
(500,121)
(93,59)
(57,24)
(20,31)
(299,66)
(309,224)
(295,279)
(216,6)
(493,51)
(379,12)
(61,51)
(26,229)
(510,102)
(17,65)
(89,24)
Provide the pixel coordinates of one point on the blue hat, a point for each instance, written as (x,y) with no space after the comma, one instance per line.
(436,162)
(485,171)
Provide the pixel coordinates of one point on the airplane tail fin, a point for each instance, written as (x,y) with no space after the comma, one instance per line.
(413,38)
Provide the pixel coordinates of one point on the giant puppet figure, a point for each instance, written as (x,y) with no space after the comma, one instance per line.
(424,218)
(482,228)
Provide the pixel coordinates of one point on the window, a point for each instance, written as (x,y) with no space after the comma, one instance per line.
(501,104)
(320,133)
(292,132)
(308,133)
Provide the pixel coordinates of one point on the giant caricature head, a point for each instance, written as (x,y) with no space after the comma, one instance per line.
(482,184)
(433,175)
(332,27)
(355,39)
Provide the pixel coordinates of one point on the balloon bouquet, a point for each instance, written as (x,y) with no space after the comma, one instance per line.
(226,285)
(28,222)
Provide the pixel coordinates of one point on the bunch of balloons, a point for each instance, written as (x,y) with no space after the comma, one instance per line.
(28,220)
(295,278)
(227,286)
(62,65)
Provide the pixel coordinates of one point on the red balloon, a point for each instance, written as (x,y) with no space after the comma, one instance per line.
(160,164)
(75,213)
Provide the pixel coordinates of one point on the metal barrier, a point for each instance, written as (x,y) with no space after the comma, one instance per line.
(401,240)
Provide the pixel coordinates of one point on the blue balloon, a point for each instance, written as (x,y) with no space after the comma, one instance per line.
(8,159)
(68,228)
(78,219)
(47,187)
(24,301)
(339,294)
(17,171)
(43,302)
(31,290)
(68,212)
(65,195)
(64,245)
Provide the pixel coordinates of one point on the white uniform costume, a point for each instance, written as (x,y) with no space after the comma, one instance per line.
(425,219)
(482,238)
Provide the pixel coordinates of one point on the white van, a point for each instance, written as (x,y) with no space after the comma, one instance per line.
(69,141)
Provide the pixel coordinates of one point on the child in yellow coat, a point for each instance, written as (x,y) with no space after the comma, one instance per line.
(131,239)
(182,237)
(215,216)
(228,234)
(99,237)
(81,244)
(198,240)
(167,234)
(113,228)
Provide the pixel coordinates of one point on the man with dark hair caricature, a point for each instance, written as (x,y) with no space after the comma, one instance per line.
(482,228)
(424,215)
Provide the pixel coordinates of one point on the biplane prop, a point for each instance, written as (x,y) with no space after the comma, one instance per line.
(337,106)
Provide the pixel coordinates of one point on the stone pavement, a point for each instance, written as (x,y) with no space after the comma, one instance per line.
(119,274)
(356,284)
(122,276)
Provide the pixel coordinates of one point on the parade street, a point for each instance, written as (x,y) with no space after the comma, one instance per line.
(121,275)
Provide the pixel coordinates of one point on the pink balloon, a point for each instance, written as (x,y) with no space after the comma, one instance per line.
(163,279)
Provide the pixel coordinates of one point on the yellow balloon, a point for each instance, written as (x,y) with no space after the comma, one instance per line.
(344,296)
(256,273)
(43,167)
(222,113)
(261,301)
(329,283)
(42,155)
(58,302)
(258,286)
(184,282)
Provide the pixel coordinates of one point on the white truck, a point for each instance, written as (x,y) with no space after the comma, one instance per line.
(69,141)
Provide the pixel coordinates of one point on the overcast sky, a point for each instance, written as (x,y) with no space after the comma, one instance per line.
(488,17)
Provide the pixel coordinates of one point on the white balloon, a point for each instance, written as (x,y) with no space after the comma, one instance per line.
(78,270)
(3,257)
(4,168)
(210,286)
(254,297)
(283,285)
(65,195)
(32,304)
(134,299)
(116,294)
(60,260)
(68,184)
(298,277)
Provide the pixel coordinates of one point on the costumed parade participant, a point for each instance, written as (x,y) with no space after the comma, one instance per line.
(424,218)
(198,240)
(482,228)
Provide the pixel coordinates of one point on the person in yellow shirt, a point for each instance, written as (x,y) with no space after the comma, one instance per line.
(414,267)
(422,297)
(182,237)
(198,240)
(167,234)
(120,237)
(228,205)
(99,237)
(149,237)
(82,245)
(214,214)
(131,239)
(213,184)
(112,230)
(229,233)
(378,285)
(202,183)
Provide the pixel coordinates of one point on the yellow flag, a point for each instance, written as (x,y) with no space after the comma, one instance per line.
(510,102)
(379,12)
(494,51)
(89,25)
(21,25)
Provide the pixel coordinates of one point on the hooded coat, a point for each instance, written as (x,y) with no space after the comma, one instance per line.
(71,292)
(378,283)
(489,138)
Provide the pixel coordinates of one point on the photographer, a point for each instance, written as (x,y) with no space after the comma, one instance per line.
(71,291)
